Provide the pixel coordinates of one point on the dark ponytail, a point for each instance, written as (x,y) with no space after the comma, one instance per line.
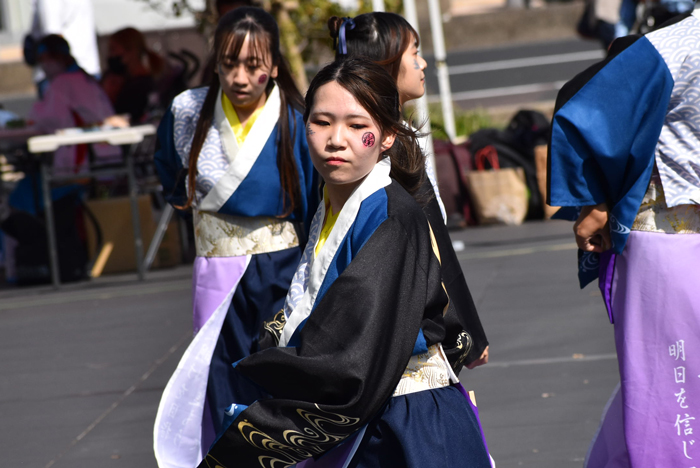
(375,90)
(263,34)
(379,36)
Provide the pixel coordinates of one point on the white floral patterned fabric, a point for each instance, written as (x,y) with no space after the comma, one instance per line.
(424,372)
(212,162)
(655,216)
(678,151)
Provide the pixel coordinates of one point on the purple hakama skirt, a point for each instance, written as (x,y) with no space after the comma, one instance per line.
(653,296)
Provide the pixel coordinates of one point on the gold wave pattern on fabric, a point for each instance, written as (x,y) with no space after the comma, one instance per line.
(464,345)
(297,446)
(276,325)
(219,235)
(655,216)
(424,372)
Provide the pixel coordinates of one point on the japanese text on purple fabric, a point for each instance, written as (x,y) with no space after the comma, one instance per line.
(684,419)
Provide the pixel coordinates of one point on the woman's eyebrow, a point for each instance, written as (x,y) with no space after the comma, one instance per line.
(322,113)
(334,115)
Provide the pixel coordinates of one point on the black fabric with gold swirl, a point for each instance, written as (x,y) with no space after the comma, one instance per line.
(458,352)
(271,331)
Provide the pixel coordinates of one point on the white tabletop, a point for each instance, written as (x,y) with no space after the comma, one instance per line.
(67,137)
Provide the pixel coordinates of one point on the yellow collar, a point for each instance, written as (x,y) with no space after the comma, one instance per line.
(239,130)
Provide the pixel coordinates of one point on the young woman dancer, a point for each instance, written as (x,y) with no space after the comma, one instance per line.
(358,377)
(390,41)
(252,189)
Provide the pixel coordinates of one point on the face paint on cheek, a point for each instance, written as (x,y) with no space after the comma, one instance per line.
(368,139)
(415,65)
(308,130)
(262,79)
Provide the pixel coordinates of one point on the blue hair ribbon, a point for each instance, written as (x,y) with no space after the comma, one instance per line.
(342,42)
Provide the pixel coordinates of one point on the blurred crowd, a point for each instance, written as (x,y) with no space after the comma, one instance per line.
(607,20)
(76,88)
(72,88)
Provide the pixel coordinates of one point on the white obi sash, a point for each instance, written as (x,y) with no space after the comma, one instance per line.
(426,371)
(655,216)
(220,235)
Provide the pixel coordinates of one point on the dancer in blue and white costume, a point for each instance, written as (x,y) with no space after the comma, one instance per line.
(252,190)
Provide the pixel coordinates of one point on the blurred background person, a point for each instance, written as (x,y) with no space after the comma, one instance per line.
(599,20)
(132,73)
(72,19)
(72,98)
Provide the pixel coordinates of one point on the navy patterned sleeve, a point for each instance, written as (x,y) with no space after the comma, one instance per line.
(169,164)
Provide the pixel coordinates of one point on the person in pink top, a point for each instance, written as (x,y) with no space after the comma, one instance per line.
(73,98)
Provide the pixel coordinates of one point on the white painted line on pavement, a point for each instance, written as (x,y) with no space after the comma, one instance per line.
(559,360)
(68,297)
(512,252)
(527,62)
(499,92)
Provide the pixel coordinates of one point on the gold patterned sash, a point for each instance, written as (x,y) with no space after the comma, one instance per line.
(219,235)
(424,372)
(655,216)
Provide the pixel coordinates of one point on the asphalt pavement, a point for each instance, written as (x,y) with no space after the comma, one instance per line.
(552,358)
(83,368)
(513,74)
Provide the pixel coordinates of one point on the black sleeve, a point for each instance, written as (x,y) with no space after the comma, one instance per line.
(352,353)
(461,316)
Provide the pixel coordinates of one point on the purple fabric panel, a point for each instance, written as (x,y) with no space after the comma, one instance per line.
(656,299)
(476,413)
(212,280)
(605,280)
(608,449)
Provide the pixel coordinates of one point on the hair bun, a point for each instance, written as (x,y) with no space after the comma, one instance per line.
(334,23)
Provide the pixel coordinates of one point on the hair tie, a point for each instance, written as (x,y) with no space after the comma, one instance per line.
(342,43)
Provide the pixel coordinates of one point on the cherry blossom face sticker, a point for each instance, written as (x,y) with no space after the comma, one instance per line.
(368,139)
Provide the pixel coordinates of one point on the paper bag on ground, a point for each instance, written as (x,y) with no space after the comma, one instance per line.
(499,196)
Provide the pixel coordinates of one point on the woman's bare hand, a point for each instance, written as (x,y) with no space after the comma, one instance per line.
(481,361)
(592,230)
